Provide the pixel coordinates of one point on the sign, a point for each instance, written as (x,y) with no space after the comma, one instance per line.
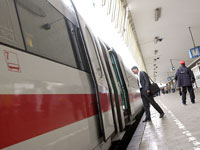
(194,52)
(12,61)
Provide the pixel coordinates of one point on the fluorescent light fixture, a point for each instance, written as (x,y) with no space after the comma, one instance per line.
(155,52)
(157,13)
(157,39)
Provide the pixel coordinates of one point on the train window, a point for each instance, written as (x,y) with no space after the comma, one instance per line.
(93,53)
(46,32)
(78,46)
(82,52)
(10,33)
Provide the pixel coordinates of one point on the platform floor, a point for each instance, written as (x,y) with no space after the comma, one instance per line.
(178,130)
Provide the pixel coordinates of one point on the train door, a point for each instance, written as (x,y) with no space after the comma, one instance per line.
(126,82)
(108,78)
(115,86)
(122,84)
(103,95)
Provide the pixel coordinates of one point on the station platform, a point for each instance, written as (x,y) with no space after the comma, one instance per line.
(179,129)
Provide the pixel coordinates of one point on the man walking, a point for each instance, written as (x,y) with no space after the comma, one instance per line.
(147,98)
(185,77)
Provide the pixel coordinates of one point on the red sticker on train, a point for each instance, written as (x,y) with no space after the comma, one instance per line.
(12,61)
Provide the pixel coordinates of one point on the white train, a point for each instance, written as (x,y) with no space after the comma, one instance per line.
(61,88)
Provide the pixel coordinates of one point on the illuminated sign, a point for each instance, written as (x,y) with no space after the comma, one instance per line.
(194,52)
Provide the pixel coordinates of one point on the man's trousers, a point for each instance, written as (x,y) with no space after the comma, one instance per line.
(184,92)
(147,100)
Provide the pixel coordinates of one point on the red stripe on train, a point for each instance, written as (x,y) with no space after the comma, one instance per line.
(25,116)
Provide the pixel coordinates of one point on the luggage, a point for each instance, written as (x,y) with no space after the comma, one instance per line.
(154,88)
(180,91)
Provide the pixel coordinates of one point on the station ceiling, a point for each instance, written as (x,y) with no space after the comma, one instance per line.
(172,28)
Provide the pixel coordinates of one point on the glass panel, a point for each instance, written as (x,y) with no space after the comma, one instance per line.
(93,55)
(45,31)
(9,26)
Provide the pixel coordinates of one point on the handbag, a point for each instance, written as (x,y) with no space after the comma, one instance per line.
(154,88)
(180,91)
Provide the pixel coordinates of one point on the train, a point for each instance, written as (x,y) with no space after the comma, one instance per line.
(61,87)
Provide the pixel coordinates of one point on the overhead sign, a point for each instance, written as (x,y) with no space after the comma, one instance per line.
(194,52)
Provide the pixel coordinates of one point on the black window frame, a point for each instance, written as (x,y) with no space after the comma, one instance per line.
(78,46)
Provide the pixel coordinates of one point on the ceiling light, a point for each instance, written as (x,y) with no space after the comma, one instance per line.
(155,52)
(157,14)
(157,39)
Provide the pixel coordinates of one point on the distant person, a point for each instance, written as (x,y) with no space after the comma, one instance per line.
(185,77)
(159,93)
(147,98)
(163,90)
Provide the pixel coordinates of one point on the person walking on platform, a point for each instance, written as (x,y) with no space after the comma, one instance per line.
(185,78)
(147,98)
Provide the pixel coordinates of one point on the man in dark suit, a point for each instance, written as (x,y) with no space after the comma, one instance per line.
(147,98)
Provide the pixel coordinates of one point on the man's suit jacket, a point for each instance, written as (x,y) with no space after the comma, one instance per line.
(144,81)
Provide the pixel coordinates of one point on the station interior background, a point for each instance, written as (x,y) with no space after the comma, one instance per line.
(156,46)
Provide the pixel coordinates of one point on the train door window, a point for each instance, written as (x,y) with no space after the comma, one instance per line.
(82,52)
(125,74)
(45,31)
(120,79)
(78,46)
(94,59)
(10,33)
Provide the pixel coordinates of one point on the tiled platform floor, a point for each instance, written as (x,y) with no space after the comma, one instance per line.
(178,130)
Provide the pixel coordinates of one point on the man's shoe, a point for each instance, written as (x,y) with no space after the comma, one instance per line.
(161,115)
(145,120)
(184,104)
(193,102)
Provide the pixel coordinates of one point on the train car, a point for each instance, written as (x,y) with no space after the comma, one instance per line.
(61,87)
